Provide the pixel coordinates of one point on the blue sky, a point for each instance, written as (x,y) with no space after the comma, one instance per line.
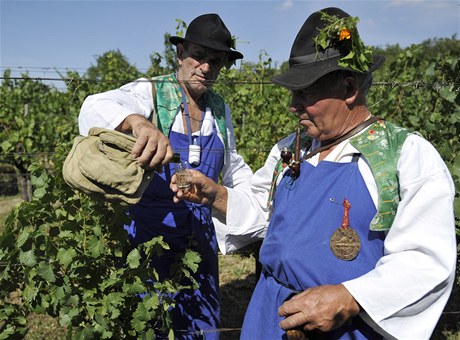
(42,35)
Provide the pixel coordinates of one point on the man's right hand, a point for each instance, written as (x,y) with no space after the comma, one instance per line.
(152,148)
(203,190)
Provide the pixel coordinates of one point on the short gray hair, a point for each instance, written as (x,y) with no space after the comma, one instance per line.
(365,81)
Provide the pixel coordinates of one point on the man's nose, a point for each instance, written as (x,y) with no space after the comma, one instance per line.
(205,65)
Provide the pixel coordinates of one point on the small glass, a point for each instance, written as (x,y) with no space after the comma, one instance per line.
(183,176)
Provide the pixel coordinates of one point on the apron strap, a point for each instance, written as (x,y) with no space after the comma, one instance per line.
(355,157)
(154,112)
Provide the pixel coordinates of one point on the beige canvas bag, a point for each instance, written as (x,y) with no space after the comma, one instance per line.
(101,165)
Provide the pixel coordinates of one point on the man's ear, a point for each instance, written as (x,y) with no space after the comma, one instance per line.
(351,89)
(180,52)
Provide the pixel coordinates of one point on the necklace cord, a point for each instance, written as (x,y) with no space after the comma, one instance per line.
(327,144)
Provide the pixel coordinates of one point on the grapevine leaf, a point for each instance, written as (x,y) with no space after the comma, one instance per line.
(65,256)
(134,258)
(45,270)
(28,258)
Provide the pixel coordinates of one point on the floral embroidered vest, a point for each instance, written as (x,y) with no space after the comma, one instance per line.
(381,146)
(168,98)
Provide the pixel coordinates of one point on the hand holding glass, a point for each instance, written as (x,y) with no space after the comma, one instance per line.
(183,176)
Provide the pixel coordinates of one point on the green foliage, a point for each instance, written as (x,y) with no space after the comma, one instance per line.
(422,93)
(67,255)
(33,118)
(112,70)
(168,58)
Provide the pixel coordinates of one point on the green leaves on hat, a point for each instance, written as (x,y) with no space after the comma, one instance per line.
(342,33)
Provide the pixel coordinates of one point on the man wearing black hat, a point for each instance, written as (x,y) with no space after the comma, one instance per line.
(194,122)
(361,239)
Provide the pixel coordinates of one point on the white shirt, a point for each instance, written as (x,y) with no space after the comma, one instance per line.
(403,297)
(109,109)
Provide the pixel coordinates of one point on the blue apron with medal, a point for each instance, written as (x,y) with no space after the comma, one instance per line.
(179,223)
(296,255)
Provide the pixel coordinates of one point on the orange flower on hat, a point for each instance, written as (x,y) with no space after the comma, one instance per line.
(344,34)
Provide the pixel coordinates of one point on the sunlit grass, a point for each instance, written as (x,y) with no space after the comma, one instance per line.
(7,203)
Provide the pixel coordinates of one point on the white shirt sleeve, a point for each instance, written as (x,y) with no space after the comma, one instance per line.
(108,109)
(405,294)
(247,208)
(236,176)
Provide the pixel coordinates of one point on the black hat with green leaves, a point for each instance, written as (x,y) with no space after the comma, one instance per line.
(328,41)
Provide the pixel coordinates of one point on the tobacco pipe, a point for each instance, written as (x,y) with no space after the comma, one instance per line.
(286,155)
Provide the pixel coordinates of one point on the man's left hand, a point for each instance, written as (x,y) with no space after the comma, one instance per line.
(322,308)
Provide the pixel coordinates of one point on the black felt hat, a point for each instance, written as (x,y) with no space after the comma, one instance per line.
(210,31)
(306,63)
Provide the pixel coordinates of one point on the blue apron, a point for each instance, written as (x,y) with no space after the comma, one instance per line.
(156,214)
(295,254)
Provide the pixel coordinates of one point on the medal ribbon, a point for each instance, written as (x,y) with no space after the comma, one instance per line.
(345,220)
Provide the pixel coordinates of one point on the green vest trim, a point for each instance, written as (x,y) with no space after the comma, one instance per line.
(169,99)
(381,145)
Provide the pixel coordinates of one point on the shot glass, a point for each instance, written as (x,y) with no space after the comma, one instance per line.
(184,176)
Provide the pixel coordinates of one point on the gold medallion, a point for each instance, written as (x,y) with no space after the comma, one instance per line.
(345,243)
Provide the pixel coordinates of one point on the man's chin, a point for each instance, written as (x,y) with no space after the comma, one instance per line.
(208,83)
(198,89)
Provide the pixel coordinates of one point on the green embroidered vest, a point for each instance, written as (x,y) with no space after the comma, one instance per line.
(169,99)
(381,146)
